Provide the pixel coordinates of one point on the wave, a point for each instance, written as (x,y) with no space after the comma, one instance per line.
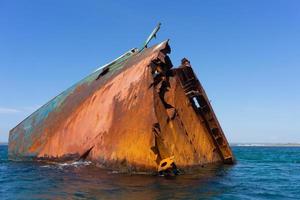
(68,164)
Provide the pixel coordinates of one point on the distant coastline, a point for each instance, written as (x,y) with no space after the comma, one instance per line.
(244,144)
(266,144)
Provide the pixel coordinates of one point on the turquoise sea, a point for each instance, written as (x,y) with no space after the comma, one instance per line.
(260,173)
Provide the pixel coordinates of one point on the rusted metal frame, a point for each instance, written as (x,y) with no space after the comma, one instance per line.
(212,127)
(181,78)
(189,84)
(193,89)
(228,158)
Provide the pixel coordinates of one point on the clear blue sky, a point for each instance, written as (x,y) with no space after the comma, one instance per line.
(245,53)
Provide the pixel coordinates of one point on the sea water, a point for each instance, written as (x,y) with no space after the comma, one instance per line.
(260,173)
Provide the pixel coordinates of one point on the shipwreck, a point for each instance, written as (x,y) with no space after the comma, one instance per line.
(136,113)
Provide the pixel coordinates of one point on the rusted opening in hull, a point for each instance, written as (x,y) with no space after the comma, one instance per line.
(103,72)
(85,154)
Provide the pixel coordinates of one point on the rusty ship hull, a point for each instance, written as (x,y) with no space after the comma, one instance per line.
(130,115)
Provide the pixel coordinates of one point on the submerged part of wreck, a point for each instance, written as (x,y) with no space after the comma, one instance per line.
(136,113)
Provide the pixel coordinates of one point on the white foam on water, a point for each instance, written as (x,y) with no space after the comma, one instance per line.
(68,164)
(75,163)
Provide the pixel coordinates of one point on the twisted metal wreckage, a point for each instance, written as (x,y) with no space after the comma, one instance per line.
(135,113)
